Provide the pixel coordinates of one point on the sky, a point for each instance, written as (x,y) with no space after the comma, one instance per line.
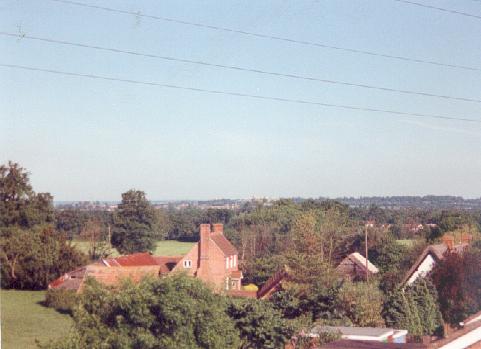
(92,139)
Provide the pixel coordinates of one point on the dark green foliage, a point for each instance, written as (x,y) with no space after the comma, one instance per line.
(61,300)
(20,206)
(169,313)
(259,324)
(31,259)
(458,281)
(134,224)
(414,309)
(259,270)
(387,254)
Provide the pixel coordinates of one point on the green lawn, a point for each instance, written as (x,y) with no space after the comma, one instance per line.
(24,320)
(164,248)
(172,248)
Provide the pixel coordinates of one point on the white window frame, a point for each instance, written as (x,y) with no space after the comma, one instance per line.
(187,264)
(227,262)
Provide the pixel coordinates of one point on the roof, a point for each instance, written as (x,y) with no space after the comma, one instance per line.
(273,282)
(167,263)
(361,262)
(236,274)
(348,344)
(221,241)
(355,331)
(437,252)
(136,259)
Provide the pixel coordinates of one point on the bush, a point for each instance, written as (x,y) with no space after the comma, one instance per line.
(63,301)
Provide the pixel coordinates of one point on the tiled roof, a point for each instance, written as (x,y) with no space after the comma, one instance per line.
(167,263)
(237,274)
(437,251)
(131,260)
(220,240)
(273,282)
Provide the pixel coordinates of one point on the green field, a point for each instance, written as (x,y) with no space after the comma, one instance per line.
(172,248)
(24,319)
(164,247)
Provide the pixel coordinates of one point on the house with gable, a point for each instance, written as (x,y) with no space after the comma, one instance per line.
(355,267)
(213,259)
(432,254)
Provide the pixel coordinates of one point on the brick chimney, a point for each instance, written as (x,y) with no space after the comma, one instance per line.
(448,240)
(218,228)
(204,243)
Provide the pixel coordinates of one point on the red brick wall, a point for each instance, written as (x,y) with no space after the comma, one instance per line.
(214,272)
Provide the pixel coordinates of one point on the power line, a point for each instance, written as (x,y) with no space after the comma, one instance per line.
(239,94)
(238,68)
(271,37)
(436,8)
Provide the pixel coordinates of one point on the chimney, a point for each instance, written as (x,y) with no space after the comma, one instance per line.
(204,242)
(448,240)
(466,238)
(218,228)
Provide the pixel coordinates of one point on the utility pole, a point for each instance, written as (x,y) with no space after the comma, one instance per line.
(110,243)
(367,261)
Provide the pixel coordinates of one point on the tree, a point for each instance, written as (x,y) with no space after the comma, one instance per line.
(134,224)
(169,313)
(31,259)
(415,309)
(99,246)
(19,205)
(457,278)
(362,303)
(259,324)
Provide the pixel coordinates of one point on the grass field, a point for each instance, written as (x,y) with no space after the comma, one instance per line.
(172,248)
(164,248)
(24,320)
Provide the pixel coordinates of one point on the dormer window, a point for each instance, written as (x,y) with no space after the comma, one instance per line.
(187,263)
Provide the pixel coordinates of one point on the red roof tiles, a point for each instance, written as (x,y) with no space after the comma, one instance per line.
(221,241)
(131,260)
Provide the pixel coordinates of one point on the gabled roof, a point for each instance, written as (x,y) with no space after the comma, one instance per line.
(437,252)
(273,283)
(360,261)
(221,241)
(131,260)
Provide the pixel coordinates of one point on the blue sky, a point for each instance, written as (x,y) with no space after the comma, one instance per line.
(85,139)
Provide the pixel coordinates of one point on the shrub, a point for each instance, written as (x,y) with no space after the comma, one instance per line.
(63,301)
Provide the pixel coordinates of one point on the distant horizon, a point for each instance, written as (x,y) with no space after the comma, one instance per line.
(277,198)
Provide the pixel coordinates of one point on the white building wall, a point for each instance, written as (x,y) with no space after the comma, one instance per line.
(424,268)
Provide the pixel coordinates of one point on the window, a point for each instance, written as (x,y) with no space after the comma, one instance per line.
(227,263)
(231,261)
(235,260)
(187,263)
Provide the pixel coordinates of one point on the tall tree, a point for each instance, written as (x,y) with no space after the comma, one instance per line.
(20,206)
(134,224)
(30,259)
